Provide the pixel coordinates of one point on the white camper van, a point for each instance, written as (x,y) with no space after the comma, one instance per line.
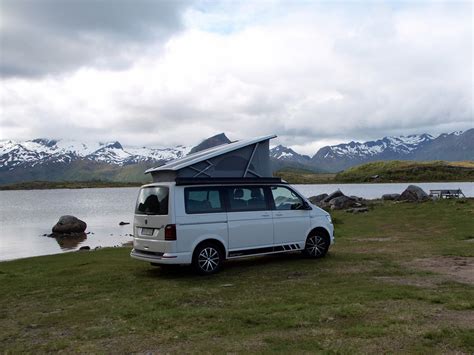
(204,220)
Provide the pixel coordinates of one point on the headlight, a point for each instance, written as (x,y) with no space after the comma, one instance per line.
(328,216)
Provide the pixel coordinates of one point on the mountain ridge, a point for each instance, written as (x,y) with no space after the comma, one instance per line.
(455,146)
(57,159)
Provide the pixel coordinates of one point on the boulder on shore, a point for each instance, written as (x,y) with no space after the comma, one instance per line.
(69,225)
(413,193)
(390,197)
(317,199)
(343,202)
(332,196)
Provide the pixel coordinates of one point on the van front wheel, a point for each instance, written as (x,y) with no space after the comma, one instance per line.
(316,246)
(207,259)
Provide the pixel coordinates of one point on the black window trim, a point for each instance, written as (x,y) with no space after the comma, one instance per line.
(224,196)
(289,188)
(200,188)
(140,213)
(266,194)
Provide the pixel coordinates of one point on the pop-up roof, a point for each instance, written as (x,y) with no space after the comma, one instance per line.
(242,159)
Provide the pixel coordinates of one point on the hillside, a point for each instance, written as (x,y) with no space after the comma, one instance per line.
(408,171)
(388,171)
(300,176)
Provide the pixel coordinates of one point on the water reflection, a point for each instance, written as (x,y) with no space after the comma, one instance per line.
(69,241)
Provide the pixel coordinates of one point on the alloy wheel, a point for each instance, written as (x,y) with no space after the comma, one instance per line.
(316,246)
(208,259)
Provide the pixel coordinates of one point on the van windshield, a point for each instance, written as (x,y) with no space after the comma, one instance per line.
(153,200)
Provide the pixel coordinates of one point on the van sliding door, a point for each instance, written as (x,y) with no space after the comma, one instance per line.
(249,220)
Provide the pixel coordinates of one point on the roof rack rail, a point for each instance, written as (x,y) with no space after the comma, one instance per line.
(228,181)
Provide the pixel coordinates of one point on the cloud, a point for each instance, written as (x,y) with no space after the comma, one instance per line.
(311,73)
(53,36)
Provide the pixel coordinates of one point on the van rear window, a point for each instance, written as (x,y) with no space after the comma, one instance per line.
(203,200)
(153,200)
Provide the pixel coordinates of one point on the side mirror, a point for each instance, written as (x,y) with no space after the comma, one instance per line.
(306,206)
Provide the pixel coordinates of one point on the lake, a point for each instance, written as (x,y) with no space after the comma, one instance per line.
(26,216)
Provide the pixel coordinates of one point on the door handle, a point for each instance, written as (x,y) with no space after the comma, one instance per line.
(265,215)
(278,214)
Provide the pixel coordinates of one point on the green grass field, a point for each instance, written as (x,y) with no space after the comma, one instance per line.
(408,171)
(398,280)
(386,171)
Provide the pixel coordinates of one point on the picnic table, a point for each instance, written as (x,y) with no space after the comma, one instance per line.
(447,193)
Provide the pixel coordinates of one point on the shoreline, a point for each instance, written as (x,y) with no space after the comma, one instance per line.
(371,203)
(72,185)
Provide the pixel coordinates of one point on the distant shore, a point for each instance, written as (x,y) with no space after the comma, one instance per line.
(376,172)
(50,185)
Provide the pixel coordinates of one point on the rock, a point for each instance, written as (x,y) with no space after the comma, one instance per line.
(343,202)
(86,247)
(123,223)
(390,197)
(356,198)
(413,193)
(69,225)
(357,210)
(332,196)
(318,198)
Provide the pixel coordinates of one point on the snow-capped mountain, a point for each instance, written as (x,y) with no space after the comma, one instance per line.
(64,160)
(449,146)
(281,152)
(284,157)
(452,146)
(15,154)
(387,145)
(53,160)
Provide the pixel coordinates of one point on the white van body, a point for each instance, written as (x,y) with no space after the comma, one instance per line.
(238,219)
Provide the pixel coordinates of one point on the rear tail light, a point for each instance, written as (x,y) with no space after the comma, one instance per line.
(170,232)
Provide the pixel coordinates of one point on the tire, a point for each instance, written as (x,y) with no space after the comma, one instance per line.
(317,245)
(207,258)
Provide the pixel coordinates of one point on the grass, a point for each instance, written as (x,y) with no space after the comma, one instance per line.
(305,177)
(43,185)
(366,296)
(387,171)
(408,171)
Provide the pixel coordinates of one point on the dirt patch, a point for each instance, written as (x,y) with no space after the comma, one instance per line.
(410,281)
(375,239)
(456,268)
(462,319)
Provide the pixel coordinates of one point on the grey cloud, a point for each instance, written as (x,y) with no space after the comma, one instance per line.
(53,36)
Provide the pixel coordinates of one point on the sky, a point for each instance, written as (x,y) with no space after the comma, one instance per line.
(162,73)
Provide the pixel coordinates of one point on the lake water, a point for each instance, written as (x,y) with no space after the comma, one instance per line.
(25,216)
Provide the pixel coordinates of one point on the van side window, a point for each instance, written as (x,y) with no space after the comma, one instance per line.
(285,199)
(246,198)
(203,200)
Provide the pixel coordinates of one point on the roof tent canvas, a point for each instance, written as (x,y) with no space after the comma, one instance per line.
(242,159)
